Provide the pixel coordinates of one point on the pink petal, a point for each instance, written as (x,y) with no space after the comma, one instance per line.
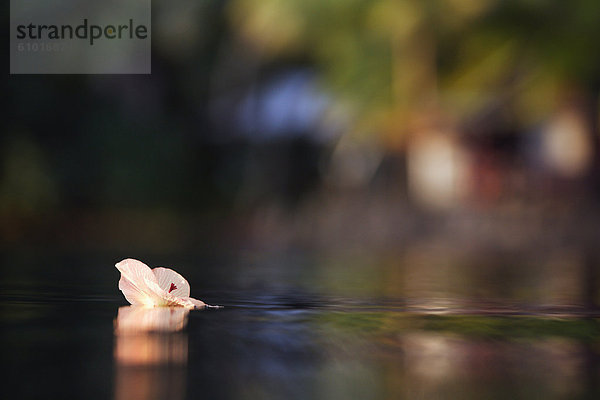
(171,282)
(186,302)
(197,303)
(139,284)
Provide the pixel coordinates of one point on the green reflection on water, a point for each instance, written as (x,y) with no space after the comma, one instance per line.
(478,326)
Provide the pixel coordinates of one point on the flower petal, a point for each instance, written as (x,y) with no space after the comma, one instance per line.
(138,283)
(197,303)
(180,302)
(171,282)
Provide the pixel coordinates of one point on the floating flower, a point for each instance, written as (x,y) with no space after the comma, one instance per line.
(158,287)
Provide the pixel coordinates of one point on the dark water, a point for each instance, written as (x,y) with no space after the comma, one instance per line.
(280,340)
(289,348)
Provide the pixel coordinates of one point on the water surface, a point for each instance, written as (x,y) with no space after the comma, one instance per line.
(410,326)
(297,347)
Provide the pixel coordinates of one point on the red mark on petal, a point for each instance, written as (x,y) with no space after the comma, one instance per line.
(173,287)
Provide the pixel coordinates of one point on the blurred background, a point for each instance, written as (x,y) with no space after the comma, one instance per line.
(319,167)
(393,143)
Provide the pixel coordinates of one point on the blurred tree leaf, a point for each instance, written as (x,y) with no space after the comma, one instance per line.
(399,57)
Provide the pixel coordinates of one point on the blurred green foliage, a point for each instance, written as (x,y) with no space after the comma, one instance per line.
(27,186)
(152,142)
(392,59)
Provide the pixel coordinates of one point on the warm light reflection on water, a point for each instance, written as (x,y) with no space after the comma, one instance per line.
(313,332)
(151,353)
(447,366)
(133,320)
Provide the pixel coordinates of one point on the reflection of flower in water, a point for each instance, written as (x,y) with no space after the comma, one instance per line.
(151,349)
(151,352)
(139,319)
(148,335)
